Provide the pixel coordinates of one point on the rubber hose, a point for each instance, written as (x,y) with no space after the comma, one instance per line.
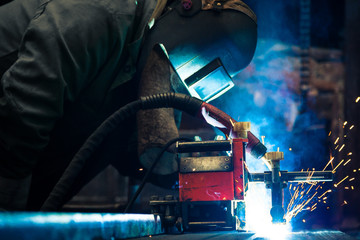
(182,102)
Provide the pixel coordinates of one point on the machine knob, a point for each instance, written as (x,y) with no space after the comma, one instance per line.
(272,156)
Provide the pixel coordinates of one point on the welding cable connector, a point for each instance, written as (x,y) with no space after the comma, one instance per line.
(242,129)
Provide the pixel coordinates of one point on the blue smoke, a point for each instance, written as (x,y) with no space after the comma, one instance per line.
(264,97)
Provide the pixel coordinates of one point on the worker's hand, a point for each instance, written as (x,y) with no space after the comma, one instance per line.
(166,165)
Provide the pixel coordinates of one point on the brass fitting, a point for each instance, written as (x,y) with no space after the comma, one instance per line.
(271,156)
(242,128)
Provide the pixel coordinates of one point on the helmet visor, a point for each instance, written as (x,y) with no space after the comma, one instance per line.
(210,82)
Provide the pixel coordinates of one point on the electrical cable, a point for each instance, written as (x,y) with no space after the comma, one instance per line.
(153,165)
(62,188)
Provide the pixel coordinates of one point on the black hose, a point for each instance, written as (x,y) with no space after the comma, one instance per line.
(178,101)
(182,102)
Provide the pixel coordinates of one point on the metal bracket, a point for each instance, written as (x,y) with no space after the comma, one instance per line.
(206,164)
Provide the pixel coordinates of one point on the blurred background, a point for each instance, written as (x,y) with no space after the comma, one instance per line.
(301,94)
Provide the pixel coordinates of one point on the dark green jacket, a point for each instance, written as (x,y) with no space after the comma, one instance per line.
(61,63)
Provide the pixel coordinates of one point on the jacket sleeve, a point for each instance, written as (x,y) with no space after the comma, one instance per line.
(61,52)
(156,126)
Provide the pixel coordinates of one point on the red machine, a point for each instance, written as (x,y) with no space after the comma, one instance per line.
(211,178)
(212,188)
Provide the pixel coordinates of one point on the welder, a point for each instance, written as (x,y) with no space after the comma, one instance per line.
(66,65)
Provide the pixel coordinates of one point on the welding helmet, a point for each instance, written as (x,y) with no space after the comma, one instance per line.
(207,43)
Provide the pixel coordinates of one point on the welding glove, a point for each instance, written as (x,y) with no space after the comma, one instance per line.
(155,129)
(14,193)
(157,126)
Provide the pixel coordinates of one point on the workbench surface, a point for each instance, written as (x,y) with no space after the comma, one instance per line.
(234,235)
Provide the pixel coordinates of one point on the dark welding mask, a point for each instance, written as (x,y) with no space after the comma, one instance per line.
(207,43)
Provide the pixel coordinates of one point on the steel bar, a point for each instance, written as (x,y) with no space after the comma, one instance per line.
(320,176)
(233,235)
(309,176)
(76,226)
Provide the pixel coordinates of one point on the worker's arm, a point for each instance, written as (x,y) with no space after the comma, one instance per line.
(61,53)
(157,126)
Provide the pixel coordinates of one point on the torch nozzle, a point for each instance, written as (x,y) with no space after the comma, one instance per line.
(277,213)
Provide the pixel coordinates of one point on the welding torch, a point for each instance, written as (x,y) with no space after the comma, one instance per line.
(277,180)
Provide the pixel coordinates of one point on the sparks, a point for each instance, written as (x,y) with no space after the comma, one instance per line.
(342,147)
(309,189)
(347,162)
(331,159)
(325,193)
(351,179)
(357,99)
(337,184)
(336,141)
(296,209)
(334,170)
(352,126)
(329,134)
(350,153)
(266,162)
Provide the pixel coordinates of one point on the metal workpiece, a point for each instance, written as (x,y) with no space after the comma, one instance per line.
(77,226)
(238,211)
(203,146)
(211,215)
(312,176)
(206,164)
(195,215)
(168,209)
(248,235)
(285,176)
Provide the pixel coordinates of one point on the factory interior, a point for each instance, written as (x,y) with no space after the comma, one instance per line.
(301,94)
